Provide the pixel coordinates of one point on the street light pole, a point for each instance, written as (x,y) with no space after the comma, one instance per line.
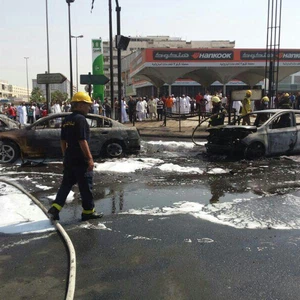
(26,58)
(76,37)
(111,65)
(118,10)
(70,48)
(47,32)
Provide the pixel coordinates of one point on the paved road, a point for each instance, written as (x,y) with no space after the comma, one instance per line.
(149,247)
(158,258)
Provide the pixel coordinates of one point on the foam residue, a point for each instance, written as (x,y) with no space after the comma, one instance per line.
(99,226)
(126,165)
(217,171)
(172,144)
(70,197)
(176,168)
(19,214)
(282,212)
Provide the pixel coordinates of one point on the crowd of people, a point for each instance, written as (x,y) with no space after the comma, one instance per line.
(154,108)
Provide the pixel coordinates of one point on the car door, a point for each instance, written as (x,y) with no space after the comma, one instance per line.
(101,131)
(282,134)
(44,137)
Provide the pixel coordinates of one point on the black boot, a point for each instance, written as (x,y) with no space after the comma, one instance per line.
(53,213)
(94,215)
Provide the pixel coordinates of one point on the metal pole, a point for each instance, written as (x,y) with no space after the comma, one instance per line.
(76,65)
(111,60)
(118,10)
(26,58)
(70,52)
(47,31)
(77,37)
(48,95)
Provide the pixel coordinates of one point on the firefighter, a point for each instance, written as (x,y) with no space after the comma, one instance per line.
(246,108)
(78,160)
(285,102)
(264,102)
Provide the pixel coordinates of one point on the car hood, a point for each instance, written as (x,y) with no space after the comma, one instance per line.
(238,131)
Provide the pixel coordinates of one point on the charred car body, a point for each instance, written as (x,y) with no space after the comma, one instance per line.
(41,139)
(8,124)
(271,132)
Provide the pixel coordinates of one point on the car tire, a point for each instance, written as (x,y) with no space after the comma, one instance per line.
(114,149)
(254,151)
(9,152)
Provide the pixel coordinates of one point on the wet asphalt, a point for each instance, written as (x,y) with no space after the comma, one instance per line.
(160,257)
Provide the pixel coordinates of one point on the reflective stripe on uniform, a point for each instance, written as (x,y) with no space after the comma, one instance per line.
(57,206)
(88,212)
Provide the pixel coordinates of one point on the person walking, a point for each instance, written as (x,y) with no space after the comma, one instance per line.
(285,102)
(131,109)
(246,108)
(152,108)
(107,108)
(160,109)
(78,160)
(12,112)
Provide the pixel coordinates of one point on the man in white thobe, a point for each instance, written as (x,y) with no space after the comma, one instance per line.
(23,117)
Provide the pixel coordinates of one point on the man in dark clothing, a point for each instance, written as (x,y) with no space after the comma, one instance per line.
(78,160)
(285,102)
(131,109)
(107,108)
(160,109)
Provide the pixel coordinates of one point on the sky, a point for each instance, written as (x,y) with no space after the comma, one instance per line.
(23,29)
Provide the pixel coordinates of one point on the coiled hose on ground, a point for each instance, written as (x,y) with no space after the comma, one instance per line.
(72,270)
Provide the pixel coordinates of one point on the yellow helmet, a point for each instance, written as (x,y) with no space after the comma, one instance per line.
(248,93)
(287,95)
(82,97)
(265,99)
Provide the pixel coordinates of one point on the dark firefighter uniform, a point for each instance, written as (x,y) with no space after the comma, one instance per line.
(78,164)
(75,128)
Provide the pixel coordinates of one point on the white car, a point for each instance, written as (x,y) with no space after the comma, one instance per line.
(271,132)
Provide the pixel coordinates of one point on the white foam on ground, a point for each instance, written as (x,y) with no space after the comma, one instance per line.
(179,169)
(217,171)
(126,165)
(43,187)
(99,226)
(173,144)
(282,212)
(18,214)
(70,197)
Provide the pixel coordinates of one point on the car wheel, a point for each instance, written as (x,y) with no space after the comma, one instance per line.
(254,150)
(114,149)
(9,152)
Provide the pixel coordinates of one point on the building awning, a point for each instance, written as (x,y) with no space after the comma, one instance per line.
(205,66)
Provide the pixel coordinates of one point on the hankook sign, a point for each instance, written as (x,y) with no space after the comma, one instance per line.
(193,55)
(261,55)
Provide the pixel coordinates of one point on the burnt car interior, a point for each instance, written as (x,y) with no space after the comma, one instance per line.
(282,121)
(55,123)
(255,119)
(98,122)
(2,125)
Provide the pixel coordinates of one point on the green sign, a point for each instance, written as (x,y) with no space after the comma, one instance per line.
(98,68)
(93,79)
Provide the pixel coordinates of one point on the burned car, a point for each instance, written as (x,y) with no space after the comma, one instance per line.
(108,138)
(270,132)
(8,124)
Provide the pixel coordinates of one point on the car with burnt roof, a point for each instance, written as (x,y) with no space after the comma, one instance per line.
(270,132)
(108,138)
